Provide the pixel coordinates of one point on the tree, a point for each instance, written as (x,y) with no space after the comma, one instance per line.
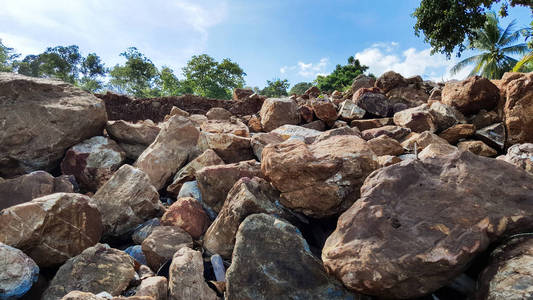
(92,69)
(61,62)
(300,88)
(208,78)
(137,77)
(495,44)
(275,88)
(7,58)
(342,77)
(446,24)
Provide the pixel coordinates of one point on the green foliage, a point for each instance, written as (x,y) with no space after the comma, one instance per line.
(341,77)
(300,88)
(7,58)
(137,77)
(446,24)
(495,44)
(275,88)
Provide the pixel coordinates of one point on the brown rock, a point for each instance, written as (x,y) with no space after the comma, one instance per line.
(395,132)
(312,92)
(408,94)
(77,295)
(321,179)
(255,124)
(162,243)
(53,228)
(96,269)
(424,201)
(422,140)
(293,131)
(127,200)
(240,94)
(457,132)
(362,81)
(231,148)
(188,173)
(306,113)
(388,160)
(493,135)
(40,119)
(232,126)
(518,110)
(384,145)
(188,214)
(418,119)
(371,123)
(437,150)
(198,120)
(215,182)
(325,110)
(316,125)
(477,147)
(260,140)
(471,95)
(520,155)
(176,111)
(93,161)
(484,118)
(337,131)
(278,111)
(372,102)
(348,111)
(155,287)
(140,133)
(170,150)
(390,80)
(445,116)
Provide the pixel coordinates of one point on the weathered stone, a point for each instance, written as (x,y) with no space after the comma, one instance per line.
(340,123)
(188,214)
(53,228)
(137,254)
(30,186)
(395,132)
(188,173)
(216,181)
(218,113)
(172,147)
(78,295)
(293,131)
(321,179)
(306,113)
(435,95)
(471,95)
(175,111)
(255,124)
(372,102)
(372,250)
(248,196)
(144,230)
(232,126)
(198,120)
(336,132)
(409,95)
(384,145)
(156,287)
(422,140)
(371,123)
(387,160)
(520,155)
(40,119)
(518,110)
(493,135)
(93,161)
(437,150)
(445,116)
(140,133)
(455,133)
(260,140)
(348,111)
(127,200)
(186,277)
(162,243)
(276,112)
(325,110)
(96,269)
(133,151)
(18,272)
(231,148)
(279,265)
(240,94)
(418,119)
(312,92)
(315,125)
(477,147)
(390,80)
(362,81)
(484,118)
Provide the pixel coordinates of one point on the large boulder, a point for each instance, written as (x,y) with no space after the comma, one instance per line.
(230,147)
(293,131)
(53,228)
(272,260)
(30,186)
(155,287)
(520,155)
(18,272)
(393,131)
(422,140)
(174,145)
(362,81)
(97,269)
(278,111)
(188,214)
(349,111)
(325,110)
(409,95)
(445,116)
(231,126)
(471,95)
(518,110)
(40,119)
(260,140)
(477,147)
(413,230)
(373,102)
(133,138)
(457,132)
(418,119)
(390,80)
(162,243)
(127,200)
(321,179)
(93,161)
(384,145)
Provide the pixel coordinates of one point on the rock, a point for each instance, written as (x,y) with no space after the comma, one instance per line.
(418,119)
(484,118)
(349,111)
(133,151)
(518,110)
(188,214)
(371,123)
(171,149)
(395,132)
(96,269)
(325,110)
(362,81)
(260,140)
(137,254)
(493,135)
(276,112)
(388,160)
(144,230)
(255,124)
(18,272)
(291,131)
(218,113)
(477,147)
(156,287)
(231,148)
(336,132)
(312,92)
(77,295)
(190,189)
(175,111)
(409,95)
(509,273)
(437,150)
(162,243)
(471,95)
(240,94)
(232,126)
(384,145)
(216,181)
(198,120)
(52,228)
(306,113)
(424,201)
(422,140)
(140,133)
(390,80)
(93,161)
(266,269)
(30,186)
(186,277)
(127,200)
(248,196)
(520,155)
(321,179)
(445,116)
(315,125)
(40,119)
(458,132)
(188,173)
(372,102)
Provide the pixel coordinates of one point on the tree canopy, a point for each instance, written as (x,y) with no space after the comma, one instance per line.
(300,88)
(342,77)
(276,88)
(7,58)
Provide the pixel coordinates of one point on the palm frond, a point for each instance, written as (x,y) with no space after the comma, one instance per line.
(464,63)
(515,49)
(526,59)
(508,35)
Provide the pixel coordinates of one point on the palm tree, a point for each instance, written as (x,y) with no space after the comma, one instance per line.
(495,44)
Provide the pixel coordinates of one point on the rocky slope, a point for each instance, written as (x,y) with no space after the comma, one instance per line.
(398,188)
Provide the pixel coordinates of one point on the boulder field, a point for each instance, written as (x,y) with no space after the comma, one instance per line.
(397,188)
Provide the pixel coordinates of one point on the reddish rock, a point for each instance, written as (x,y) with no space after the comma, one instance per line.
(477,147)
(231,148)
(312,92)
(422,140)
(371,123)
(276,112)
(240,94)
(162,243)
(384,145)
(337,131)
(176,111)
(361,81)
(140,133)
(316,125)
(255,124)
(232,126)
(518,110)
(471,95)
(395,132)
(418,119)
(155,287)
(390,80)
(325,110)
(260,140)
(306,113)
(409,95)
(388,160)
(457,132)
(188,214)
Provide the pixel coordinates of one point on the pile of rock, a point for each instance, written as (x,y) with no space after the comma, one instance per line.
(388,190)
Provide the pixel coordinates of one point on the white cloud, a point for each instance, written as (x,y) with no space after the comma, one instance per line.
(306,70)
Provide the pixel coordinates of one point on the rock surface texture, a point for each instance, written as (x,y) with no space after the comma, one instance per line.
(18,272)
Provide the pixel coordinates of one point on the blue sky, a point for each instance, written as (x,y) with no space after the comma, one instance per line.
(292,39)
